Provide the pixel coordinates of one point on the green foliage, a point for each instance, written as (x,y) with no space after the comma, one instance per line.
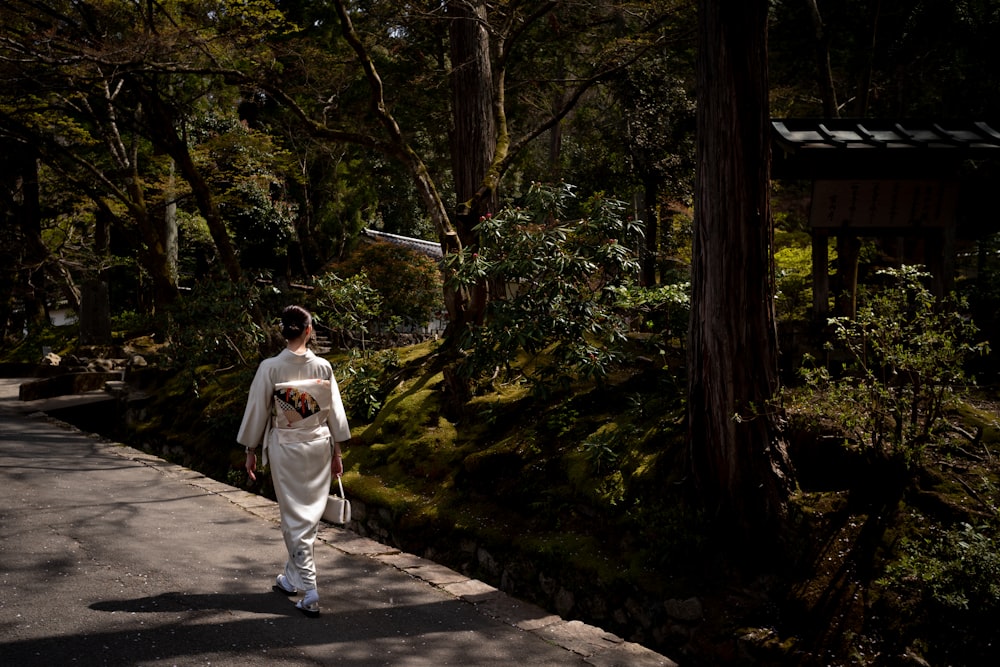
(555,285)
(659,110)
(793,274)
(664,309)
(249,173)
(347,307)
(254,20)
(263,227)
(409,282)
(957,569)
(212,327)
(905,353)
(128,323)
(366,381)
(602,451)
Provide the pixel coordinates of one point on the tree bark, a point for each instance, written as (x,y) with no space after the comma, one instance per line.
(27,211)
(651,240)
(474,136)
(170,231)
(25,205)
(738,457)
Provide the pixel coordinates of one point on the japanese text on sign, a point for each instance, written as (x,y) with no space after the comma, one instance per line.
(887,203)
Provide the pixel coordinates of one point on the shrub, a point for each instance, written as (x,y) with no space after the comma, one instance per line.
(555,286)
(366,381)
(408,281)
(664,309)
(348,308)
(793,275)
(957,569)
(906,352)
(129,323)
(213,326)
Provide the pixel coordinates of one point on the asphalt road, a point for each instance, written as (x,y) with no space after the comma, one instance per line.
(109,556)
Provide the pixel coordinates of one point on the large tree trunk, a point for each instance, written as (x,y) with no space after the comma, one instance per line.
(25,204)
(738,457)
(473,142)
(27,213)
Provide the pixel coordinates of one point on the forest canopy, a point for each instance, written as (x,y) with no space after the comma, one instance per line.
(595,180)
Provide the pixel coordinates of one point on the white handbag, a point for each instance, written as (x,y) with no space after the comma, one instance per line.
(338,508)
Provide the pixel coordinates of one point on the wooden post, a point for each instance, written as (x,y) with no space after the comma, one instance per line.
(848,249)
(820,274)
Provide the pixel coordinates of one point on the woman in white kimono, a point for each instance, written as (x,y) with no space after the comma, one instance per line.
(294,409)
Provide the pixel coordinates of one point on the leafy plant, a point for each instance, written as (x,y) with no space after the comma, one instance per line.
(906,351)
(956,569)
(213,327)
(347,307)
(366,381)
(408,281)
(554,282)
(600,453)
(793,273)
(664,309)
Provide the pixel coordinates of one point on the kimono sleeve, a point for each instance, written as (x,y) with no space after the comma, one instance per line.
(340,431)
(257,415)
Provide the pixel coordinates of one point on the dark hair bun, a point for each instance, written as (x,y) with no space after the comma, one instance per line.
(294,322)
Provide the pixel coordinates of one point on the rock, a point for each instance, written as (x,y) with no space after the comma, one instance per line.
(102,365)
(487,562)
(51,359)
(564,602)
(689,610)
(639,612)
(137,361)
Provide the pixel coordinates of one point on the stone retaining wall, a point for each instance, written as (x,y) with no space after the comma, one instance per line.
(632,614)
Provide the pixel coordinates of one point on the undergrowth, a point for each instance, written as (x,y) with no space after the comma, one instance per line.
(590,480)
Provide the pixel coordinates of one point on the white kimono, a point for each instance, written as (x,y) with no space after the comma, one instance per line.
(294,409)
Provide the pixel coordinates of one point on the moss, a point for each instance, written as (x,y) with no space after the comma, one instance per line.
(402,414)
(419,354)
(981,419)
(592,483)
(374,490)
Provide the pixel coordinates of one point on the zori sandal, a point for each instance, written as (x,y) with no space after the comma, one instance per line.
(309,605)
(282,586)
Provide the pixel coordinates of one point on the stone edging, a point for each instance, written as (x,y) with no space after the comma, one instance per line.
(594,645)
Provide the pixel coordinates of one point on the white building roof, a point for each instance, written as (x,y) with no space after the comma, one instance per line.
(431,248)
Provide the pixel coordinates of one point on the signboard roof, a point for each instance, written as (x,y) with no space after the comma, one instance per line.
(877,148)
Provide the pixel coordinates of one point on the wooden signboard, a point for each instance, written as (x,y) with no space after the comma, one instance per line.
(883,204)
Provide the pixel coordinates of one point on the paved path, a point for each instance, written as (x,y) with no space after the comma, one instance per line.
(109,556)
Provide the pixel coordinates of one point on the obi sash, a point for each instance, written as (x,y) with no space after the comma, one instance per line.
(301,409)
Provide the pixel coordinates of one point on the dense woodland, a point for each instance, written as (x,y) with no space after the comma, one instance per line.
(624,288)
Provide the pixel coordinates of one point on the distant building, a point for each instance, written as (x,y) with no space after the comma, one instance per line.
(430,248)
(902,182)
